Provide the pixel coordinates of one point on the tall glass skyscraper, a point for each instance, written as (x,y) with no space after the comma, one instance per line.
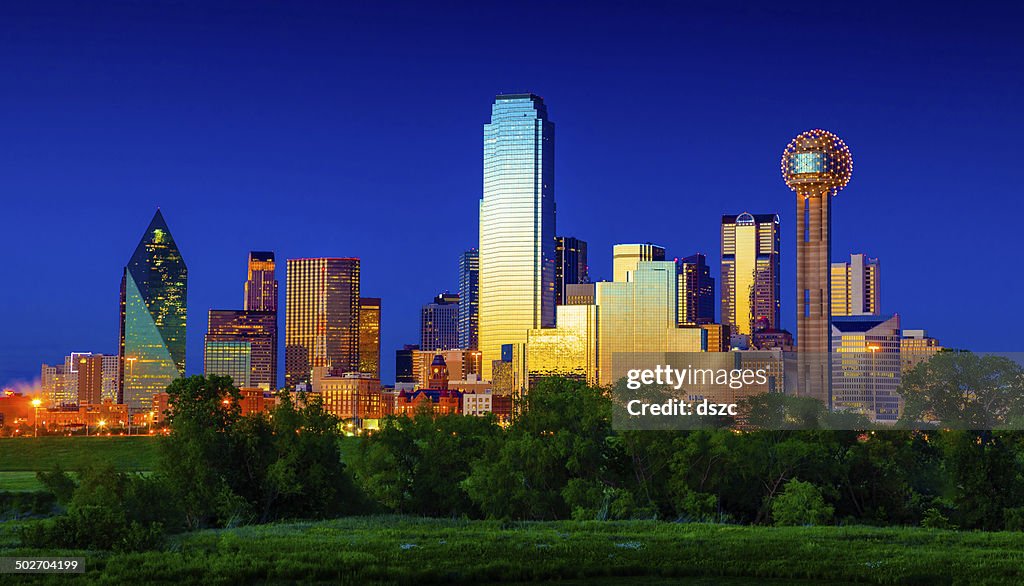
(154,309)
(321,317)
(517,224)
(750,272)
(469,299)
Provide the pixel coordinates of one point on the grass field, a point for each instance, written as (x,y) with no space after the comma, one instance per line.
(379,550)
(21,458)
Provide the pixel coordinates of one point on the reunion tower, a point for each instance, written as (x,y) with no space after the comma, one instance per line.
(816,165)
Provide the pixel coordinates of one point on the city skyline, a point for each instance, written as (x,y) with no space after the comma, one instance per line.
(215,235)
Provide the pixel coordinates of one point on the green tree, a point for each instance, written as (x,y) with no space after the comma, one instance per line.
(800,503)
(563,434)
(963,390)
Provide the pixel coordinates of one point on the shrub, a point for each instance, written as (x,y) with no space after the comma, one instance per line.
(800,503)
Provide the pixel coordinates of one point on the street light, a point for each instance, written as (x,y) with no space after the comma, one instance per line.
(35,422)
(101,424)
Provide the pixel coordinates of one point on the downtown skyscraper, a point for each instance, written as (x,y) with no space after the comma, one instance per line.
(439,323)
(321,317)
(517,224)
(570,265)
(696,290)
(750,272)
(469,299)
(855,286)
(242,344)
(154,313)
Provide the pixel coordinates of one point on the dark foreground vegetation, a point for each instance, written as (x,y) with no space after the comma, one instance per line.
(558,494)
(403,550)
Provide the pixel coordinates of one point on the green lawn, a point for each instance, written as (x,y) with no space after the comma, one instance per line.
(21,458)
(19,481)
(377,550)
(129,454)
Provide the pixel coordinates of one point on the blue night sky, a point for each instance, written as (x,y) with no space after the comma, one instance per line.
(356,130)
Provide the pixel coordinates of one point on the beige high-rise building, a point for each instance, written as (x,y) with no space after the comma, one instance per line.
(917,347)
(627,257)
(517,225)
(855,286)
(640,315)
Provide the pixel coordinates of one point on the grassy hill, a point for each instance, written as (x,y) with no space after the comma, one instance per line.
(375,550)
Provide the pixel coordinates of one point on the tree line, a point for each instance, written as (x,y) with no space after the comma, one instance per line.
(559,459)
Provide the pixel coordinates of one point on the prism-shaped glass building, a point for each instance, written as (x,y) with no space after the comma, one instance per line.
(153,316)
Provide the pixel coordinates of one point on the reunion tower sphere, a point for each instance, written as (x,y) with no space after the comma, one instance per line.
(816,162)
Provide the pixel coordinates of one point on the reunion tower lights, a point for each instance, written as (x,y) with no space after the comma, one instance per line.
(816,165)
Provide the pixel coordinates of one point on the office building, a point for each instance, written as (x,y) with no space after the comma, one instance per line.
(321,317)
(917,347)
(97,378)
(369,336)
(626,258)
(154,315)
(640,315)
(231,358)
(582,294)
(866,366)
(750,271)
(354,397)
(439,323)
(517,224)
(568,350)
(816,165)
(404,373)
(855,286)
(696,289)
(570,265)
(261,296)
(257,330)
(469,300)
(261,284)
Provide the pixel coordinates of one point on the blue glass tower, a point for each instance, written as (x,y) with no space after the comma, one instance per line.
(517,224)
(153,316)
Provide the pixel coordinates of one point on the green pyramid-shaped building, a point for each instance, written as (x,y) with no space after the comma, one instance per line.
(153,315)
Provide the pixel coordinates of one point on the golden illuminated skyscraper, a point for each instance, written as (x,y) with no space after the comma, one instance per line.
(517,224)
(626,257)
(369,336)
(855,286)
(750,272)
(640,315)
(321,317)
(567,351)
(816,165)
